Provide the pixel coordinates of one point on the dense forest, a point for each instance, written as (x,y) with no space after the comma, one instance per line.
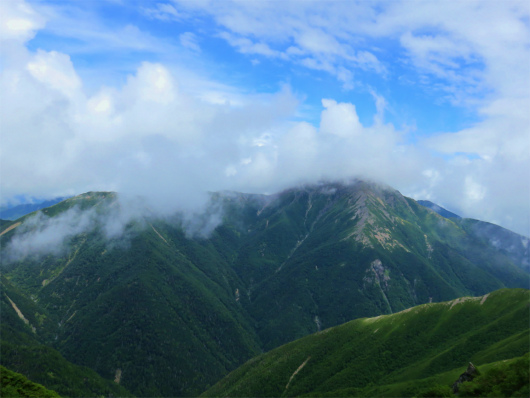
(170,305)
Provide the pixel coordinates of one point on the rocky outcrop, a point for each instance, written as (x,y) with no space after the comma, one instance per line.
(468,375)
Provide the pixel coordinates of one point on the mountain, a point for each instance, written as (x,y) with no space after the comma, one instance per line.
(24,325)
(156,312)
(322,255)
(397,355)
(513,245)
(168,306)
(14,212)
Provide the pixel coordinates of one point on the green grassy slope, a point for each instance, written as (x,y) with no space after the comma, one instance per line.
(372,356)
(13,385)
(514,381)
(501,379)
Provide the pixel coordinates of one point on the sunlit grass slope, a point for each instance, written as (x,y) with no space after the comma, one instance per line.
(390,355)
(16,385)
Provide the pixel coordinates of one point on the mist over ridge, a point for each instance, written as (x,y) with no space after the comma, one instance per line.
(117,283)
(119,217)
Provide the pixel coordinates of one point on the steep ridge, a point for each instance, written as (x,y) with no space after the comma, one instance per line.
(14,212)
(323,255)
(23,328)
(167,312)
(390,355)
(508,243)
(141,307)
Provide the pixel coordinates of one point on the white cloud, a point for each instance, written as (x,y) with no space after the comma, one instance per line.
(247,46)
(318,42)
(18,21)
(190,40)
(302,33)
(56,71)
(469,45)
(152,83)
(101,103)
(145,137)
(163,12)
(473,190)
(174,132)
(41,234)
(340,119)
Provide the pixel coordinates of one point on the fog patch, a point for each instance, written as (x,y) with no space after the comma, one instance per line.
(328,191)
(117,220)
(41,235)
(201,225)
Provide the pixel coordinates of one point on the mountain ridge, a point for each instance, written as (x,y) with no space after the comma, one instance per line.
(14,212)
(372,356)
(159,292)
(438,209)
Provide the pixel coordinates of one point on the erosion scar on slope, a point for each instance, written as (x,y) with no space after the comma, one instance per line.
(161,237)
(117,377)
(296,371)
(20,314)
(5,231)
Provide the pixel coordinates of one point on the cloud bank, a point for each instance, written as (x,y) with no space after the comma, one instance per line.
(116,218)
(171,134)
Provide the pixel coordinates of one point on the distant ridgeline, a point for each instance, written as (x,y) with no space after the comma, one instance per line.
(440,210)
(169,306)
(14,212)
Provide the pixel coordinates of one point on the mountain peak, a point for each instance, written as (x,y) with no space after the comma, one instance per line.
(270,269)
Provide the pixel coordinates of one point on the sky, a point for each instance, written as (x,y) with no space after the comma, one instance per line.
(173,99)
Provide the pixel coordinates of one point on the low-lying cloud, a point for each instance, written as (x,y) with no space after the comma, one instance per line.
(41,235)
(116,219)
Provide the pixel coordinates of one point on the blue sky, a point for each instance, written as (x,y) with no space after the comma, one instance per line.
(198,40)
(431,98)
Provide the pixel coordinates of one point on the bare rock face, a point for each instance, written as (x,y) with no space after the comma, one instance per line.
(468,375)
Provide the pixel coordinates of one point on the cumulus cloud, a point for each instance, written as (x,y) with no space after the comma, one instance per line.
(56,71)
(146,137)
(116,218)
(18,21)
(171,135)
(340,119)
